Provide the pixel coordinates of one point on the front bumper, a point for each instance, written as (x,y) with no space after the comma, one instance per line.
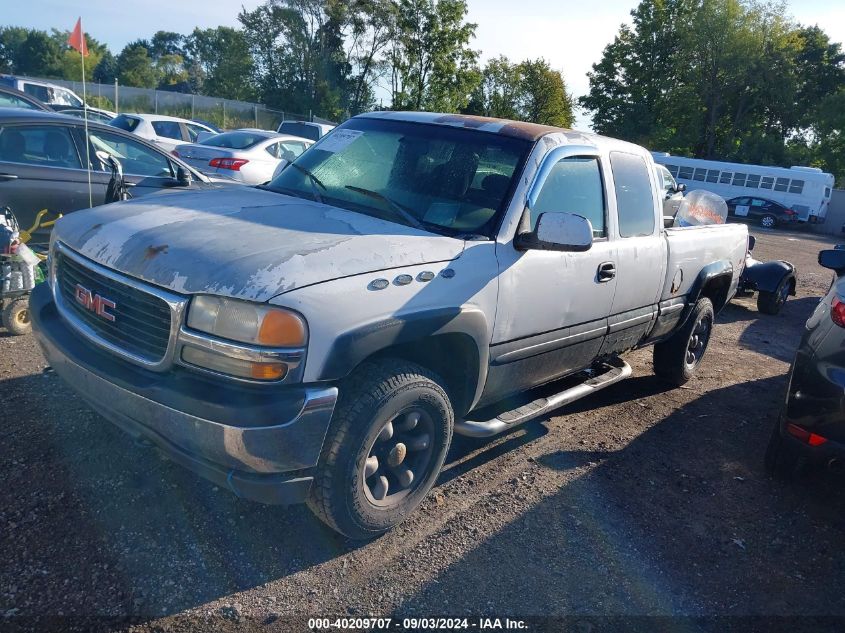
(258,441)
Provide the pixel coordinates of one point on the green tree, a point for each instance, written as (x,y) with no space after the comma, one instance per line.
(106,69)
(11,39)
(136,67)
(221,58)
(544,98)
(432,65)
(39,55)
(499,93)
(372,26)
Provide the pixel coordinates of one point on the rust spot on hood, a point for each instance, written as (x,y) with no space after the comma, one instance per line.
(153,251)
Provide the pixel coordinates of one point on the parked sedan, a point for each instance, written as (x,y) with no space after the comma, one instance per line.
(165,131)
(94,114)
(811,426)
(767,212)
(42,163)
(248,156)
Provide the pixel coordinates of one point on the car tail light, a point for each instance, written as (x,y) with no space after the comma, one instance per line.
(837,312)
(175,153)
(790,212)
(234,164)
(813,439)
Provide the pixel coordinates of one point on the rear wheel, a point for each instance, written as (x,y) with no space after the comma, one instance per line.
(16,317)
(768,221)
(384,449)
(772,302)
(676,359)
(782,460)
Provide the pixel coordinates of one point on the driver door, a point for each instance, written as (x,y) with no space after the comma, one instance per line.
(553,306)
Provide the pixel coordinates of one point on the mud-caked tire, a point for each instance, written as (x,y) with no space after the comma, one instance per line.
(385,446)
(677,358)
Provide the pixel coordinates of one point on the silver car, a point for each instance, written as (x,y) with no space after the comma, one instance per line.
(248,156)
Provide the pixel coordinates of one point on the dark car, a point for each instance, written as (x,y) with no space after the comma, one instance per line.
(42,163)
(767,212)
(811,426)
(11,98)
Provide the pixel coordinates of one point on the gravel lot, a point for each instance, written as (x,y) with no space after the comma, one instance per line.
(637,501)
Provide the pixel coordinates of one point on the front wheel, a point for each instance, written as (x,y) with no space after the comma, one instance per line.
(677,358)
(384,449)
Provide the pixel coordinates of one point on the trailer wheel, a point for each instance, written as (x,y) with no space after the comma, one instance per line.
(384,449)
(677,358)
(16,317)
(772,302)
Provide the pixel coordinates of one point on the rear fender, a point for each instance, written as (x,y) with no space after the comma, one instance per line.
(767,276)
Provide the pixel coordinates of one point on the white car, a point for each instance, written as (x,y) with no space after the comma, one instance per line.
(305,129)
(165,131)
(249,156)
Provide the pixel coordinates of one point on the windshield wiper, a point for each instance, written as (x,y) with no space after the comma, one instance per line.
(394,206)
(312,178)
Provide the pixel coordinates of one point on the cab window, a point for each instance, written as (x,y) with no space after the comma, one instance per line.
(168,129)
(634,197)
(574,185)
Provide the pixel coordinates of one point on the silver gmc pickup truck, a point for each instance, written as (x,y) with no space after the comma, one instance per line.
(320,338)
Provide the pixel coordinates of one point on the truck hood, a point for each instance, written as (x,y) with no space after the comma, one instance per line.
(243,242)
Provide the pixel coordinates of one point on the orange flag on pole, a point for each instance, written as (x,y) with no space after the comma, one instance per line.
(77,38)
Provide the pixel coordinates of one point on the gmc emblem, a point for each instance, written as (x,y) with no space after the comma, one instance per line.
(97,304)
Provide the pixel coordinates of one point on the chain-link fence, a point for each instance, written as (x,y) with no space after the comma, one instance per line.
(224,113)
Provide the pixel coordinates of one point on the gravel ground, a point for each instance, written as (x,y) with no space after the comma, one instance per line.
(636,501)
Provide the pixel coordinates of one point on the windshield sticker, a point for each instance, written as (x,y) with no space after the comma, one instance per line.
(339,139)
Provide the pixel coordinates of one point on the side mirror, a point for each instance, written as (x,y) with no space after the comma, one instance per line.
(680,188)
(183,176)
(558,232)
(751,242)
(833,259)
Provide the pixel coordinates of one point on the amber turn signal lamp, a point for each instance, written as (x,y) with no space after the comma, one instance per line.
(281,328)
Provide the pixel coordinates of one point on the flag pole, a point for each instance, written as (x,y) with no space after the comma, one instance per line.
(85,118)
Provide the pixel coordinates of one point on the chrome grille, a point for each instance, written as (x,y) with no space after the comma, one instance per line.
(142,321)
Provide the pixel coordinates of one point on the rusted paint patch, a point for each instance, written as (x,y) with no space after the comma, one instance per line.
(152,251)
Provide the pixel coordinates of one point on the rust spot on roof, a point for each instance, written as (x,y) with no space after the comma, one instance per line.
(516,129)
(153,251)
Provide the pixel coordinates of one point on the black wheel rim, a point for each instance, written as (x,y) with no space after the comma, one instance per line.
(698,341)
(400,457)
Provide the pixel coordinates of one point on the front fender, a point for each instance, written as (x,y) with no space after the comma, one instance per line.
(767,276)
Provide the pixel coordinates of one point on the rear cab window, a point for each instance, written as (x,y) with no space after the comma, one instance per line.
(634,195)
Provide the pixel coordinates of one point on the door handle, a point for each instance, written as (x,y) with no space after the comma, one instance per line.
(607,271)
(8,177)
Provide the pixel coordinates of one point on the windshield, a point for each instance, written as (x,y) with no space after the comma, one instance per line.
(448,178)
(235,140)
(124,122)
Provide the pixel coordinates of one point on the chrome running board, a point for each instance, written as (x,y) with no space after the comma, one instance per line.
(611,371)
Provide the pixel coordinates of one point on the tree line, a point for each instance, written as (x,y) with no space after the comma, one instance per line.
(335,58)
(723,79)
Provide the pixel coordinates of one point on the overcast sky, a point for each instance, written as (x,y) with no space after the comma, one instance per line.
(570,34)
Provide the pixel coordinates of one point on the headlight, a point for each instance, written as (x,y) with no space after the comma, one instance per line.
(274,338)
(246,322)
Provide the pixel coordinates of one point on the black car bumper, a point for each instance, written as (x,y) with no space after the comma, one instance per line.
(259,442)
